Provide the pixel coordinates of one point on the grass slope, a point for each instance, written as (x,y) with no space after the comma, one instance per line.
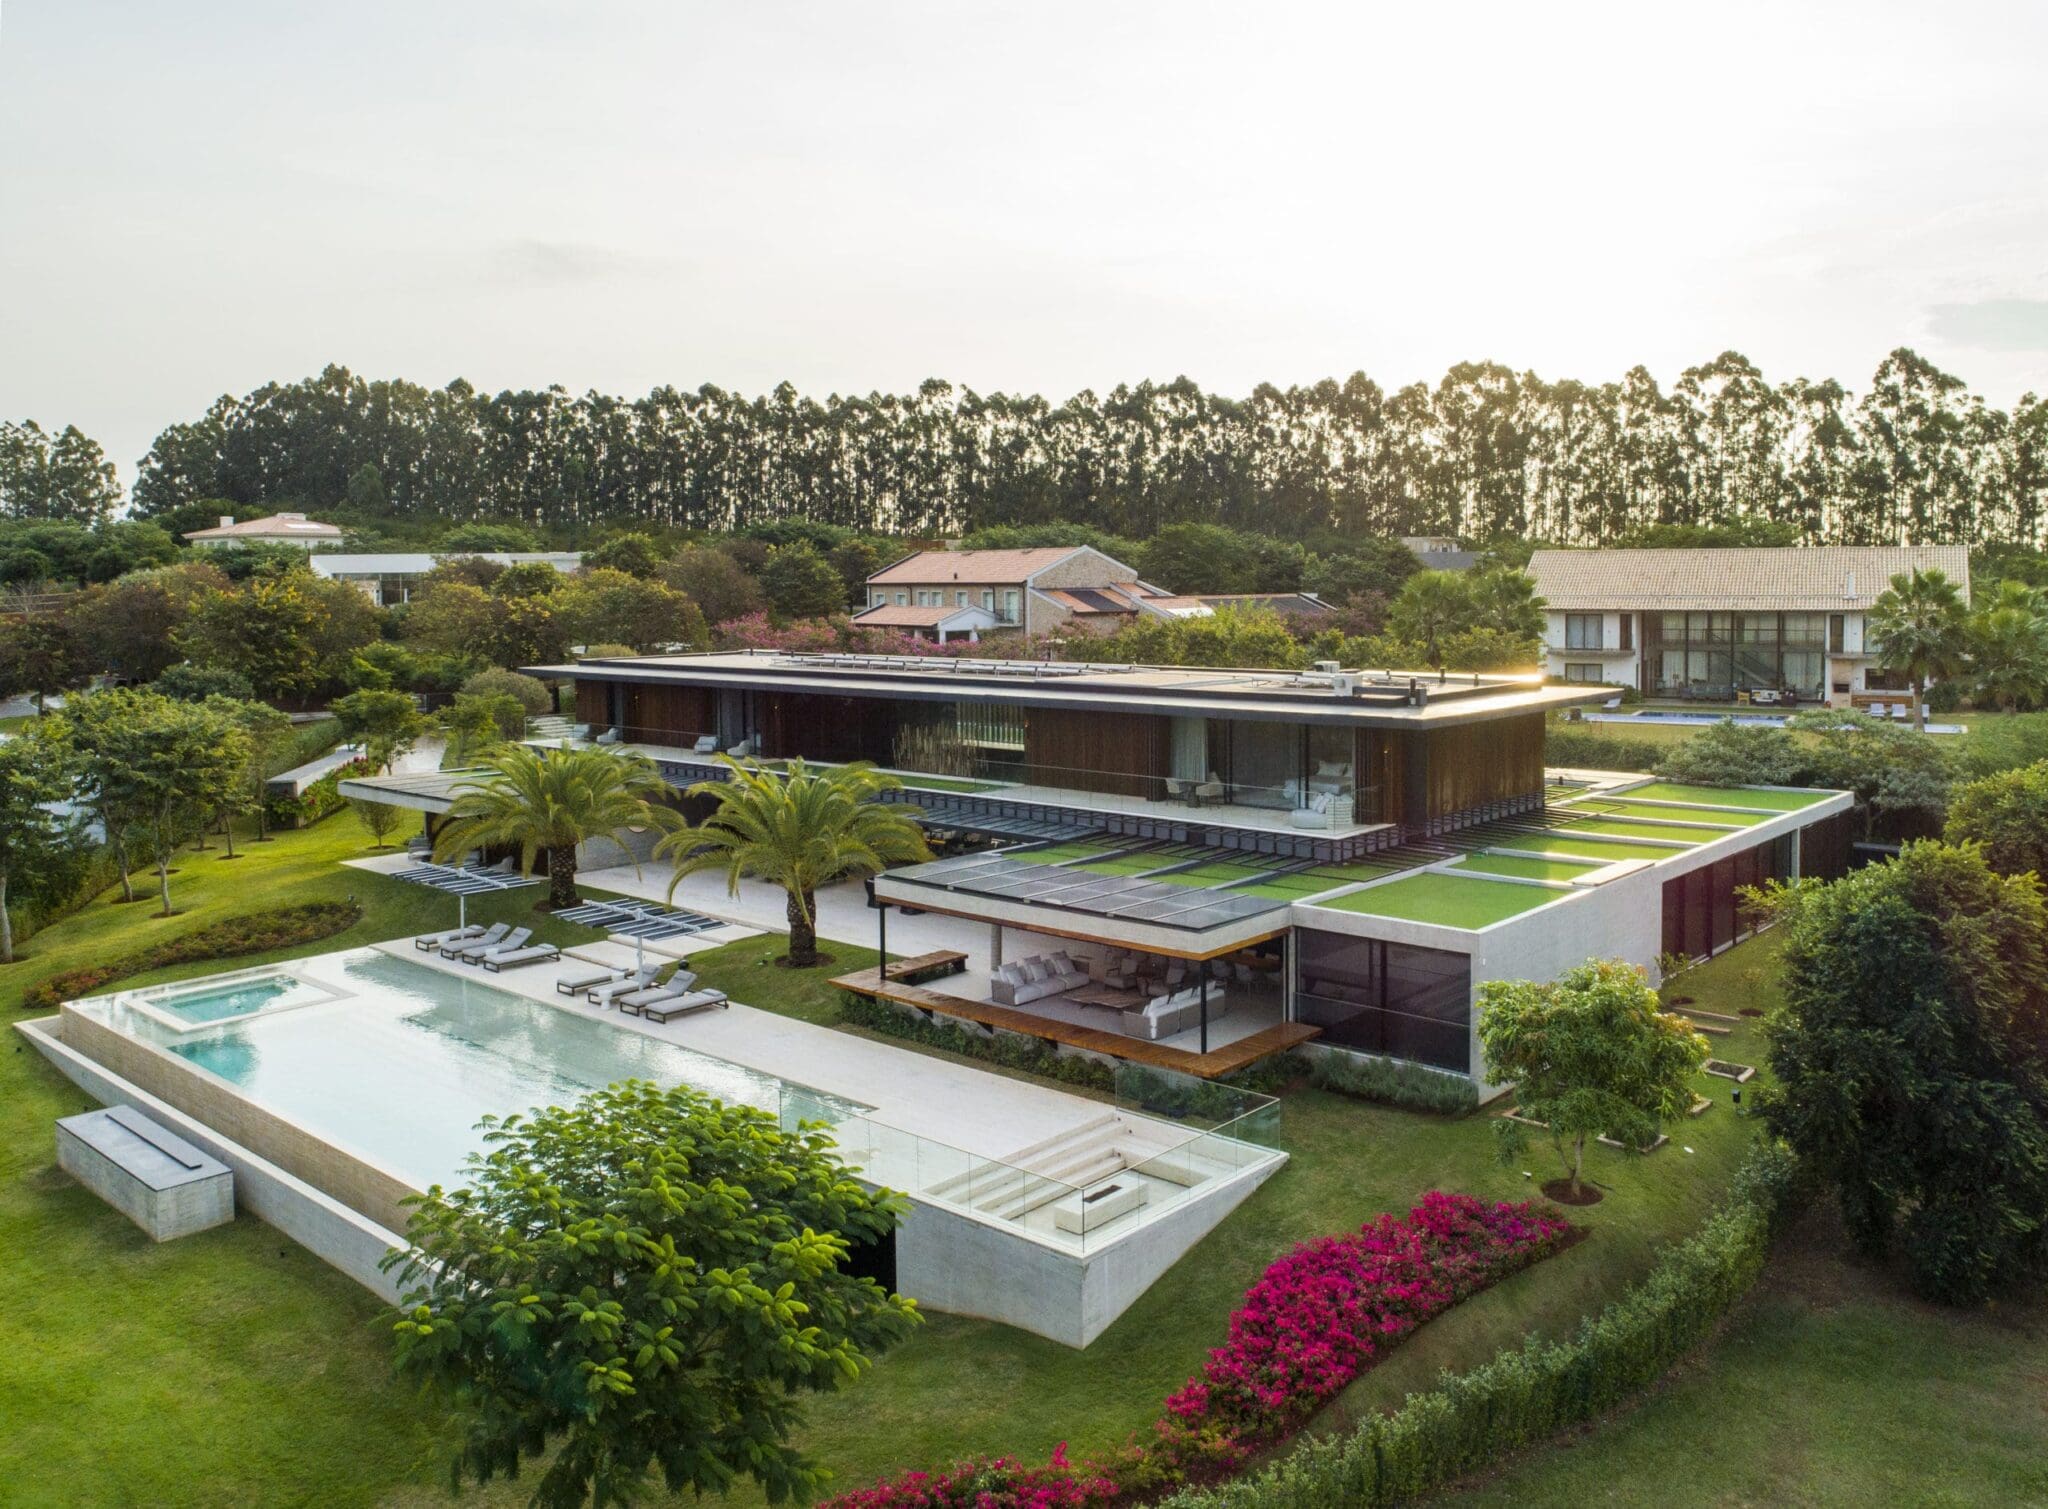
(1828,1388)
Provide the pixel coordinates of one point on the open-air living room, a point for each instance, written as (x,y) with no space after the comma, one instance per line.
(1194,1005)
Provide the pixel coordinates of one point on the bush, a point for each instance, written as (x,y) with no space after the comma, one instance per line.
(1590,751)
(1408,1086)
(320,800)
(1471,1420)
(256,933)
(531,694)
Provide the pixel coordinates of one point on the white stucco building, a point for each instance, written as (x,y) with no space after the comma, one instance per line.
(1784,625)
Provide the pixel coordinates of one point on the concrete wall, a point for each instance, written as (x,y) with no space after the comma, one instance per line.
(339,1236)
(193,1205)
(949,1262)
(169,1079)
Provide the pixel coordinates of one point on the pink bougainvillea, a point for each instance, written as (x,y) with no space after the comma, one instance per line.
(1314,1321)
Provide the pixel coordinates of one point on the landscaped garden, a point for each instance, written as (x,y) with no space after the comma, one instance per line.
(240,1340)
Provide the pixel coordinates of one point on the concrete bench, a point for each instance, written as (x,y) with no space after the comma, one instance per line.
(158,1180)
(1098,1207)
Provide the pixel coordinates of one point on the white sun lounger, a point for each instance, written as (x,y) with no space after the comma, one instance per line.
(514,939)
(433,941)
(515,958)
(605,995)
(488,939)
(683,1005)
(585,979)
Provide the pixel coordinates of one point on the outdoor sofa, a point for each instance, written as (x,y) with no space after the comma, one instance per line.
(1034,979)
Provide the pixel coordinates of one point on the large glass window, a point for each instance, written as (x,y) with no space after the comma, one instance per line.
(1390,998)
(1582,631)
(1715,656)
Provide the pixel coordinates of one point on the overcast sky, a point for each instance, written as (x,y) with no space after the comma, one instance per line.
(197,198)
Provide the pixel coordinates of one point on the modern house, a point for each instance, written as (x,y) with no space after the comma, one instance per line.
(1440,552)
(389,578)
(1034,591)
(1193,868)
(273,529)
(1780,625)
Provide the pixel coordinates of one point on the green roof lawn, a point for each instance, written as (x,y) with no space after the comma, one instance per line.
(1729,796)
(1723,815)
(1447,900)
(1587,847)
(1054,853)
(1670,833)
(1530,868)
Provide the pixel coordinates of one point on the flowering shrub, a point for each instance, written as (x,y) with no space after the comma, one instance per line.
(1314,1321)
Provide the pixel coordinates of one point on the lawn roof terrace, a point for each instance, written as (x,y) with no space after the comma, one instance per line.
(1201,900)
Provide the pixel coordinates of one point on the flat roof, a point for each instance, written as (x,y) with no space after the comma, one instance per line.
(1383,698)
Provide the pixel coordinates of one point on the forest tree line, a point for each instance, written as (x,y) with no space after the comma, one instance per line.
(1486,453)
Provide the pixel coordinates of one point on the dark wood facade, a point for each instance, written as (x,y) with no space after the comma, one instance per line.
(1434,776)
(1087,751)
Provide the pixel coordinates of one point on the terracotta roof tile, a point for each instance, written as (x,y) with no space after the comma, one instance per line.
(1814,578)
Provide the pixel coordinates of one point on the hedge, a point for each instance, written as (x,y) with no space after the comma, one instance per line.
(257,933)
(1469,1421)
(1581,750)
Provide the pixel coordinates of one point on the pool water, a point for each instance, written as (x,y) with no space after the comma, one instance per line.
(212,1004)
(403,1065)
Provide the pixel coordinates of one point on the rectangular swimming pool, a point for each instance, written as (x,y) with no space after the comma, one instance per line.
(403,1060)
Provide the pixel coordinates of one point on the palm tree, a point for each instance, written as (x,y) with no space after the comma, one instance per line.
(1430,605)
(1920,627)
(554,800)
(2008,642)
(799,828)
(1506,601)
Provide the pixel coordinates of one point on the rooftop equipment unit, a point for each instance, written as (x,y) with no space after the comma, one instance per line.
(1327,667)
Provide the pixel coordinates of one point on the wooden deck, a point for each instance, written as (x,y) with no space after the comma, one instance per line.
(1219,1061)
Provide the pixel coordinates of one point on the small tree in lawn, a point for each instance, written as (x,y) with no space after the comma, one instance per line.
(799,828)
(553,799)
(271,737)
(645,1283)
(1591,1055)
(36,770)
(1728,753)
(379,819)
(385,723)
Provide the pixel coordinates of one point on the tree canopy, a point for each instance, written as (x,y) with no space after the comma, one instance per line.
(1591,1054)
(1908,1061)
(647,1283)
(799,828)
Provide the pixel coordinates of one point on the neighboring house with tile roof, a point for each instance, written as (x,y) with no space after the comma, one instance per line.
(1035,591)
(274,529)
(1783,625)
(941,623)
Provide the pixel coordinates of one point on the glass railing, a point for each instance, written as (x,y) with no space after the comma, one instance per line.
(1207,1132)
(1308,803)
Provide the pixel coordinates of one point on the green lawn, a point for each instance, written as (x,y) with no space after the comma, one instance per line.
(1725,817)
(1723,796)
(1558,842)
(1448,900)
(1828,1388)
(237,1369)
(1526,869)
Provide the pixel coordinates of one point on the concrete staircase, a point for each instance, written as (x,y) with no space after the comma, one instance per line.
(1081,1156)
(550,727)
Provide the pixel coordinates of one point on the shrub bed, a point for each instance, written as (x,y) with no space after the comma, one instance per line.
(1408,1086)
(256,933)
(320,800)
(1315,1320)
(1472,1420)
(1008,1048)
